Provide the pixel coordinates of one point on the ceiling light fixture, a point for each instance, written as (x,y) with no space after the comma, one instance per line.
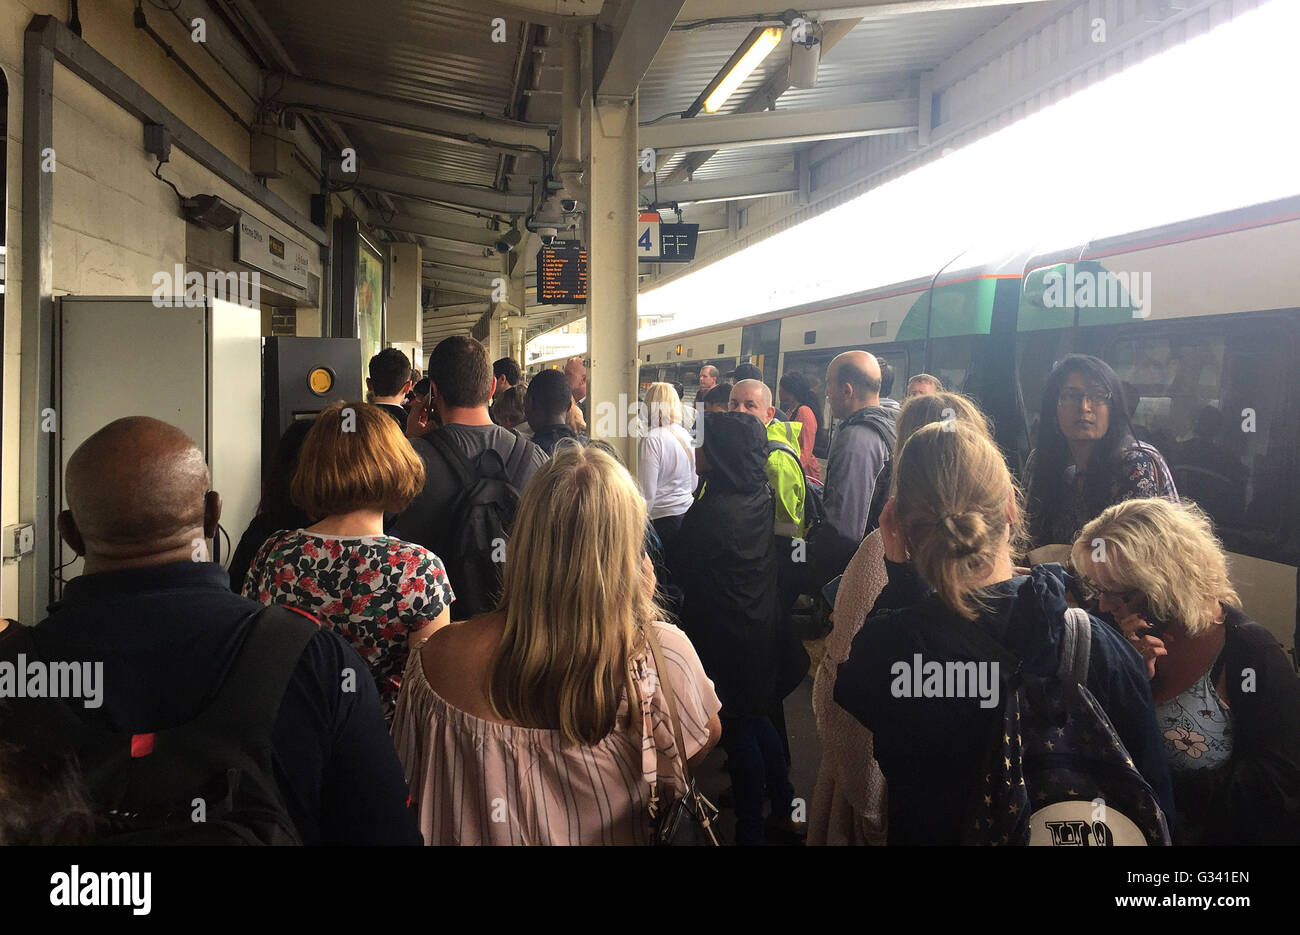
(760,49)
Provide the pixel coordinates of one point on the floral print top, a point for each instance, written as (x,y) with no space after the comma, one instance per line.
(1141,472)
(1197,727)
(372,590)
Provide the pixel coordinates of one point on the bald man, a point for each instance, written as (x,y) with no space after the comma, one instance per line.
(754,398)
(175,643)
(576,371)
(862,443)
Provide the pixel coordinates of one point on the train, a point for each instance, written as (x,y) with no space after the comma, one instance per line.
(1200,318)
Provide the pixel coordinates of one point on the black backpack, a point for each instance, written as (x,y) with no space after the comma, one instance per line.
(1056,772)
(472,541)
(209,781)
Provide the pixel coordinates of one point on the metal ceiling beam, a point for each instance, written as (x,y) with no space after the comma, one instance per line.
(396,183)
(542,12)
(628,36)
(784,126)
(696,11)
(472,281)
(1003,36)
(401,115)
(480,262)
(763,97)
(729,189)
(458,238)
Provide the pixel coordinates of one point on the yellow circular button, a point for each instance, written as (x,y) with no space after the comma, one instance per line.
(321,381)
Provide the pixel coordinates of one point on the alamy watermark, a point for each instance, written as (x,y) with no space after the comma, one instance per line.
(180,289)
(635,419)
(950,679)
(32,678)
(1097,288)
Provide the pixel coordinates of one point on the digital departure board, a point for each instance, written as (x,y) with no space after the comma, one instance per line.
(562,274)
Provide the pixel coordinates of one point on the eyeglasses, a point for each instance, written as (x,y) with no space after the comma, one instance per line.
(1073,397)
(1093,591)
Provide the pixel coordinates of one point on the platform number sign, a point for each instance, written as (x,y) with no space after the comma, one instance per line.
(647,236)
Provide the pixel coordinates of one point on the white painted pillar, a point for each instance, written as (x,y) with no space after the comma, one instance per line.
(610,150)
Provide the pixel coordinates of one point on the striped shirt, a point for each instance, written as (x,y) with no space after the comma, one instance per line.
(475,781)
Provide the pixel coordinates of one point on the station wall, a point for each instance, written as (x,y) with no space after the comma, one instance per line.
(114,226)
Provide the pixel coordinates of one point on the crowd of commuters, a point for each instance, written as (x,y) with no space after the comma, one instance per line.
(457,619)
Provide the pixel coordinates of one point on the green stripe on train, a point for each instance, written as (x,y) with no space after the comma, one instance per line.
(954,309)
(1050,295)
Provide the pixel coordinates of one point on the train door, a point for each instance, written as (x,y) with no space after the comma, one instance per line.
(1218,399)
(761,342)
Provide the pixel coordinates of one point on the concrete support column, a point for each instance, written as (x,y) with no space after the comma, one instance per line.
(610,148)
(518,297)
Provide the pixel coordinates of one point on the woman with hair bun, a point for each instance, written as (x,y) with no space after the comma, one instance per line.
(848,805)
(948,536)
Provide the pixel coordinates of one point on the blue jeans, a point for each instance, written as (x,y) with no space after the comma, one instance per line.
(757,764)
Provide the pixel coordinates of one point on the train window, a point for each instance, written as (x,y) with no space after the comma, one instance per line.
(810,337)
(1216,405)
(722,348)
(952,359)
(1036,353)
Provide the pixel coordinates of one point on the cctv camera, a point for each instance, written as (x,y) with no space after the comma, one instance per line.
(570,205)
(547,235)
(508,241)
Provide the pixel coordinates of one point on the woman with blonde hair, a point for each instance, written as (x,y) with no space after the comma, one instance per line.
(379,593)
(539,722)
(948,535)
(848,805)
(666,462)
(1227,698)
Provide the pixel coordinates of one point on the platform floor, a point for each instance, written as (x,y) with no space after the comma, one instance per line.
(805,755)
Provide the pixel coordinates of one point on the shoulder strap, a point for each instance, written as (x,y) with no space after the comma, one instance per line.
(248,700)
(516,458)
(459,464)
(1076,646)
(974,637)
(666,684)
(777,445)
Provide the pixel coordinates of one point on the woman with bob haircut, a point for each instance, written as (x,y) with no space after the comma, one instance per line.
(848,805)
(381,594)
(948,536)
(666,464)
(1087,457)
(544,721)
(1227,698)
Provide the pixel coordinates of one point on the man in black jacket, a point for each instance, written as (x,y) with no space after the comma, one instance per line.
(164,625)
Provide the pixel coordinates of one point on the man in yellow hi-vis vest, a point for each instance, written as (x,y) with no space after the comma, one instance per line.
(784,470)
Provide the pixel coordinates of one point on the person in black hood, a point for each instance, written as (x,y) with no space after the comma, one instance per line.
(956,510)
(731,606)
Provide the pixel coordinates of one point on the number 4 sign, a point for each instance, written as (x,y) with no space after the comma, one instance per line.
(647,235)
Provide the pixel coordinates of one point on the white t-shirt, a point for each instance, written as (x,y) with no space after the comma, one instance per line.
(666,471)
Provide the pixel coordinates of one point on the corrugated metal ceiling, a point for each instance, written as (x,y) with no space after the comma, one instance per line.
(878,60)
(414,49)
